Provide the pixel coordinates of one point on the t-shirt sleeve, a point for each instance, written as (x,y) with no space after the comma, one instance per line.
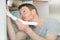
(53,27)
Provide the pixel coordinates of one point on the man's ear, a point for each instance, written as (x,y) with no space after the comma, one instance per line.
(33,11)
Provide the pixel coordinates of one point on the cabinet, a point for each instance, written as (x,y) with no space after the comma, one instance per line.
(3,32)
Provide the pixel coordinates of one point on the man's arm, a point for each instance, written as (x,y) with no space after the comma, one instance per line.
(32,34)
(10,29)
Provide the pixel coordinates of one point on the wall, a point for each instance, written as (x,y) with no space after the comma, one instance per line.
(54,9)
(43,8)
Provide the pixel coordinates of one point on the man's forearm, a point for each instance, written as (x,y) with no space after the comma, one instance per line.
(33,35)
(11,32)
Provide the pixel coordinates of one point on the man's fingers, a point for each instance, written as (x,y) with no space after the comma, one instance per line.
(19,24)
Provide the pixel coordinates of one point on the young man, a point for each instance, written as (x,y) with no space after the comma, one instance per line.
(47,29)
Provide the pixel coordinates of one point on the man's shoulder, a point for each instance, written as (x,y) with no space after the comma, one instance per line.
(51,20)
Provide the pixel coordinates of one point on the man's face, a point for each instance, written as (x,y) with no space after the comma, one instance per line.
(26,14)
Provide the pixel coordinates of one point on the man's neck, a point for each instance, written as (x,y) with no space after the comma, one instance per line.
(39,20)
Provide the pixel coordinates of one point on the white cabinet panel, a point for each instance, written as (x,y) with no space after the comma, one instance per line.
(3,33)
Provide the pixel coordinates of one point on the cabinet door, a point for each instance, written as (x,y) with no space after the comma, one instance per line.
(3,32)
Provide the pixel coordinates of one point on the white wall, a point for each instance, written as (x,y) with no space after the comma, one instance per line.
(54,9)
(3,33)
(43,8)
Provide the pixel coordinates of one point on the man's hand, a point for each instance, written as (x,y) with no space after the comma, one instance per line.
(7,7)
(21,26)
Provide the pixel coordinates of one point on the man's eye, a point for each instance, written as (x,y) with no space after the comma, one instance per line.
(23,11)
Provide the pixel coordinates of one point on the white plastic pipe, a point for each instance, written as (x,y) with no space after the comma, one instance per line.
(9,3)
(24,22)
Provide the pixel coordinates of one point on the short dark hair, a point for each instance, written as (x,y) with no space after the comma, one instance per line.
(30,6)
